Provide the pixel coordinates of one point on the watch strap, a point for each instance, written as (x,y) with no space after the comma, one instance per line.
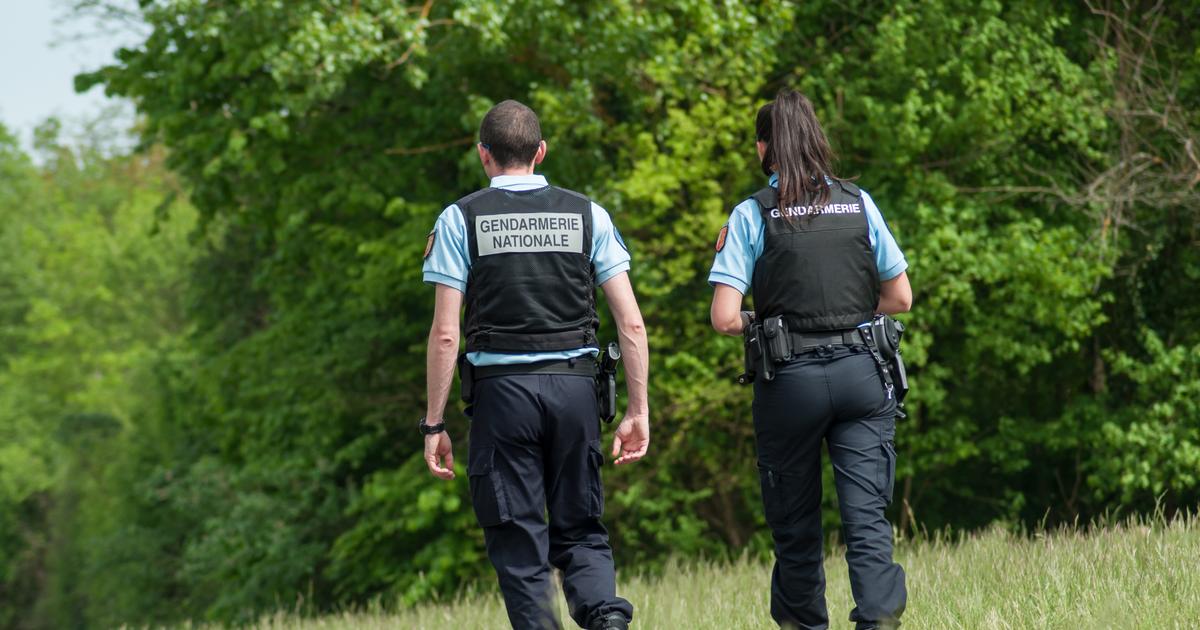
(431,429)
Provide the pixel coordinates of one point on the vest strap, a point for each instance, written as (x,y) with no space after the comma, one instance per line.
(530,342)
(767,198)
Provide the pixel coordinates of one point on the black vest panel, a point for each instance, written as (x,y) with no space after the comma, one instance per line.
(530,288)
(817,268)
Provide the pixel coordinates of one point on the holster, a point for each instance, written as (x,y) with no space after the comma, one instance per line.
(751,351)
(888,332)
(883,340)
(606,396)
(606,382)
(764,344)
(466,377)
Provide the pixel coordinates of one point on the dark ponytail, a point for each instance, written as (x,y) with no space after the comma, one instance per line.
(797,149)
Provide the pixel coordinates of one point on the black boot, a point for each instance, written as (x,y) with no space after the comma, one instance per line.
(614,621)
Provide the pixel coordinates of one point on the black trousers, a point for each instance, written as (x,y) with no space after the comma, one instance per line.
(535,448)
(836,396)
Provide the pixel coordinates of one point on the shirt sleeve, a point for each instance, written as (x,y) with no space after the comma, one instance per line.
(739,244)
(889,260)
(447,262)
(609,254)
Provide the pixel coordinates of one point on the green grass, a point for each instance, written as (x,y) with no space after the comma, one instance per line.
(1133,575)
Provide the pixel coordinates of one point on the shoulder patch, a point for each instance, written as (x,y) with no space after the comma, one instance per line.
(721,238)
(429,242)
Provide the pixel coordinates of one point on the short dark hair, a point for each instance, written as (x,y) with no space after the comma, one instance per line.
(511,132)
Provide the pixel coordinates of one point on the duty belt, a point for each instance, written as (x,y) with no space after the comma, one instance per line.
(579,366)
(769,342)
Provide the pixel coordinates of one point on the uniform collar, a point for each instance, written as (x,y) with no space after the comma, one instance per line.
(519,182)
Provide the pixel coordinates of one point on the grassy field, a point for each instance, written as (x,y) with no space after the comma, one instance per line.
(1128,576)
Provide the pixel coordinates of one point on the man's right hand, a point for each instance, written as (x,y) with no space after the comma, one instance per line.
(632,438)
(439,455)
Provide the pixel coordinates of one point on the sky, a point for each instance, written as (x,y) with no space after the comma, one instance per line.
(38,62)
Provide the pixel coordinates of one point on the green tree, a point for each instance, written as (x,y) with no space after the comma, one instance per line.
(92,294)
(26,469)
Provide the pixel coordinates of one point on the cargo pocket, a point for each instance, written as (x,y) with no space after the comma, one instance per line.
(886,477)
(595,487)
(488,492)
(774,508)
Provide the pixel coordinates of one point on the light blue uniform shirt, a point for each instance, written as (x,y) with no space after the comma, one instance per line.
(734,264)
(448,262)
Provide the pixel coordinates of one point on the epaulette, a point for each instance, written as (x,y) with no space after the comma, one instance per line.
(472,196)
(849,187)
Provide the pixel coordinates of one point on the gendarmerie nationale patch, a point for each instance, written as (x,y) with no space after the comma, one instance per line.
(429,242)
(721,238)
(528,233)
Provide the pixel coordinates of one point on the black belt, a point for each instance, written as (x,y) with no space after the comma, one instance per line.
(805,342)
(579,366)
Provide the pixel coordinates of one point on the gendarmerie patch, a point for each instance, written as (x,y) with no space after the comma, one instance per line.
(429,242)
(721,238)
(529,233)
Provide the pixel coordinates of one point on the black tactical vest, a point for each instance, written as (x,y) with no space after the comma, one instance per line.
(816,269)
(530,288)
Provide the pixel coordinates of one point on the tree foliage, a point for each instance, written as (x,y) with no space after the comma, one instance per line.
(215,421)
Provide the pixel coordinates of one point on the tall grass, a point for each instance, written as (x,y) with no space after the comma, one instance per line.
(1138,574)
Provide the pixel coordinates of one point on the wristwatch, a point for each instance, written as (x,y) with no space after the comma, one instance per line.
(430,430)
